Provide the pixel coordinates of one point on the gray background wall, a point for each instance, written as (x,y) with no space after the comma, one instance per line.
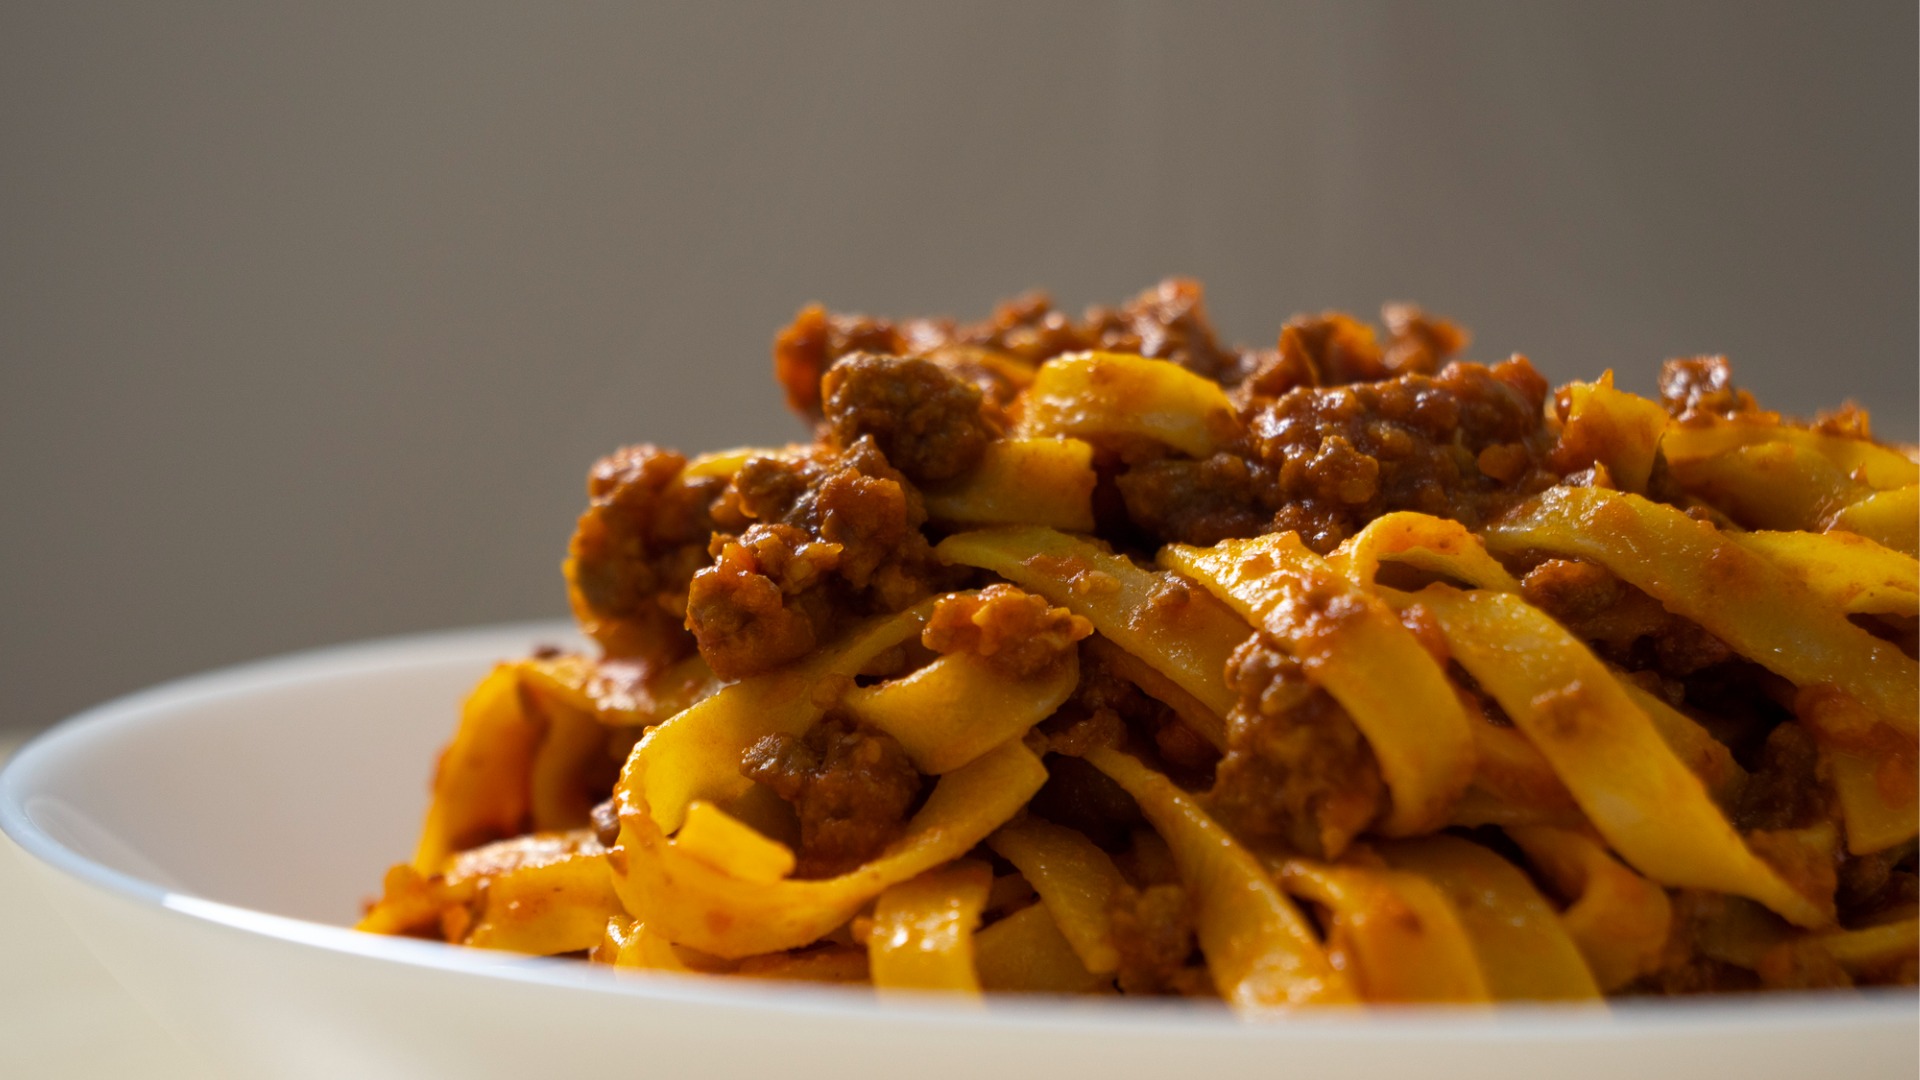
(311,319)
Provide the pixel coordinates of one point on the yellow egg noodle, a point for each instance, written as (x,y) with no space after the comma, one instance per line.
(1144,698)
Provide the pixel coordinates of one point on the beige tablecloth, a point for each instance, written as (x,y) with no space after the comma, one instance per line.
(61,1014)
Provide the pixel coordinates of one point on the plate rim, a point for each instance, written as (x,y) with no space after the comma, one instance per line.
(1706,1016)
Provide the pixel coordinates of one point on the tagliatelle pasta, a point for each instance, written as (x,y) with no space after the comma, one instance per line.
(1093,657)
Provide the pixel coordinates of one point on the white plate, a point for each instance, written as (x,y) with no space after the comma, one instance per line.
(211,838)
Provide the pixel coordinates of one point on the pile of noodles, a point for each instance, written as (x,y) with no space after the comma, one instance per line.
(1563,848)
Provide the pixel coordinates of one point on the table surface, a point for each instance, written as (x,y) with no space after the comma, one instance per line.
(61,1013)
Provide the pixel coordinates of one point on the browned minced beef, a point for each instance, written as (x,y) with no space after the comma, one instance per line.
(928,423)
(852,788)
(1197,502)
(1333,348)
(1153,933)
(1702,388)
(1018,633)
(761,602)
(636,548)
(1107,709)
(1464,444)
(815,339)
(1623,623)
(1166,322)
(1849,421)
(1027,327)
(1783,790)
(1875,886)
(1682,968)
(1297,772)
(821,537)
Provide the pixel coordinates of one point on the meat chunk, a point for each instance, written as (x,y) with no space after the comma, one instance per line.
(814,340)
(1018,633)
(1623,623)
(1027,327)
(1169,322)
(1784,789)
(1464,444)
(821,538)
(1701,388)
(1419,343)
(1297,772)
(758,606)
(1196,502)
(852,788)
(1153,933)
(1331,348)
(928,423)
(636,549)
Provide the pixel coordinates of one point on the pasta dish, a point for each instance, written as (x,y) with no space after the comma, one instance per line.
(1094,656)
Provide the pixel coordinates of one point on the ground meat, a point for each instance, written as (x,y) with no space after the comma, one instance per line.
(1464,444)
(1702,388)
(822,538)
(1849,421)
(1169,322)
(1153,933)
(1420,343)
(928,423)
(852,788)
(1801,965)
(1018,633)
(1166,322)
(1807,867)
(803,350)
(1784,790)
(1297,772)
(1027,327)
(1278,372)
(606,823)
(1196,502)
(1623,623)
(1086,800)
(1870,886)
(637,547)
(759,605)
(1683,968)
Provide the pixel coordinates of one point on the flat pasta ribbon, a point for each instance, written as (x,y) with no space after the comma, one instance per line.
(1889,518)
(481,785)
(1182,632)
(922,934)
(1848,572)
(1773,485)
(1619,920)
(1353,645)
(1076,882)
(1764,613)
(1259,950)
(1524,950)
(1042,481)
(1618,431)
(693,902)
(1394,931)
(1101,395)
(1603,746)
(1876,466)
(1026,953)
(1447,549)
(959,707)
(1424,542)
(724,892)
